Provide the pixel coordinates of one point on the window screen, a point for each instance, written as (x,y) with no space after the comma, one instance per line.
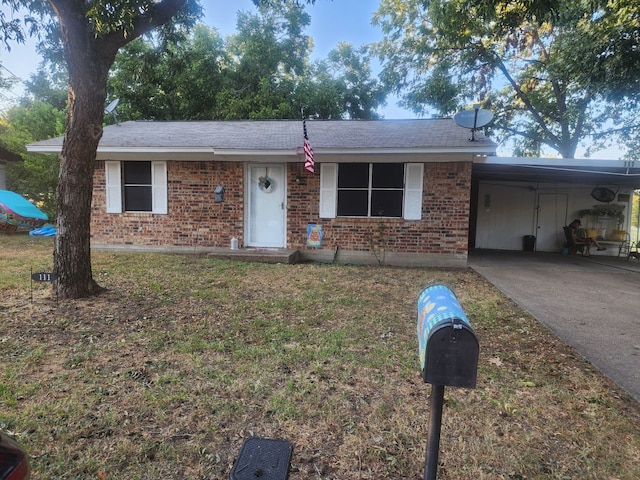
(137,186)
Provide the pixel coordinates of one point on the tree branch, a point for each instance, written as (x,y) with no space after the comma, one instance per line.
(604,133)
(157,15)
(72,17)
(537,138)
(523,96)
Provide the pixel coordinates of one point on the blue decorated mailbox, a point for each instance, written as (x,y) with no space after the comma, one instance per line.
(447,344)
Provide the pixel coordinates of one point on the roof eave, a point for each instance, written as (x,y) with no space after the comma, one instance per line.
(210,153)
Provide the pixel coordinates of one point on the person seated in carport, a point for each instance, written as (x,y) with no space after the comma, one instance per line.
(580,235)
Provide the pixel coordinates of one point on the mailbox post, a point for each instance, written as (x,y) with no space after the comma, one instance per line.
(448,350)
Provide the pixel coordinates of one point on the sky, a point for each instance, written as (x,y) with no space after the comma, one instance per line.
(332,21)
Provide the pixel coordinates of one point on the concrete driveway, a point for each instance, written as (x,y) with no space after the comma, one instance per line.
(591,303)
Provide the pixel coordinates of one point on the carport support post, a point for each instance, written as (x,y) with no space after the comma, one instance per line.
(435,424)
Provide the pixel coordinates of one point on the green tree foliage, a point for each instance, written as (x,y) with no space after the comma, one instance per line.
(543,67)
(269,53)
(49,85)
(347,74)
(261,72)
(605,51)
(200,76)
(36,177)
(177,81)
(14,25)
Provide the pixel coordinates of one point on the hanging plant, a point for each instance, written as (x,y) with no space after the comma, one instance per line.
(606,211)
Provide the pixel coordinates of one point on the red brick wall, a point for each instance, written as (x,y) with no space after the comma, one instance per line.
(194,219)
(443,229)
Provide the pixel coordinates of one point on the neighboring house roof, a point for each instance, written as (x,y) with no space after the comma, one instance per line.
(186,140)
(7,156)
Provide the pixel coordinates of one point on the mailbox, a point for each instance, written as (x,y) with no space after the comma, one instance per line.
(447,344)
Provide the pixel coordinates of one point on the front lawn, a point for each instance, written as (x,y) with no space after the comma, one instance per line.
(184,357)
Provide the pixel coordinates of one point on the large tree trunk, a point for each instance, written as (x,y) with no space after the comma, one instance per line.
(88,63)
(89,57)
(72,256)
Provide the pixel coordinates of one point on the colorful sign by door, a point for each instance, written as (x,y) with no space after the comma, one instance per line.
(314,235)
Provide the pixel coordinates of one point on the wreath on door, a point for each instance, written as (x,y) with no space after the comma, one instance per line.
(265,184)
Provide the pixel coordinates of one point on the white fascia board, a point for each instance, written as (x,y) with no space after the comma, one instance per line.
(46,149)
(237,152)
(154,153)
(350,155)
(353,151)
(210,153)
(135,153)
(408,151)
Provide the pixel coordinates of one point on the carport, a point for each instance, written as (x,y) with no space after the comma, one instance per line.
(516,197)
(590,303)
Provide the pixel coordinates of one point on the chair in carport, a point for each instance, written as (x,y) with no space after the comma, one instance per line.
(625,246)
(575,245)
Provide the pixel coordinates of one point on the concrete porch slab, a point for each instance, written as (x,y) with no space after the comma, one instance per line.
(263,255)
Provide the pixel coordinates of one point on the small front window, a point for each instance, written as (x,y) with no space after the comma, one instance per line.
(138,189)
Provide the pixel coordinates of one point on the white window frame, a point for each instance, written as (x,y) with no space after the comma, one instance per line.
(411,198)
(114,187)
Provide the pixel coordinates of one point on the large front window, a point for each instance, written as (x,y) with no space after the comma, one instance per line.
(370,189)
(392,190)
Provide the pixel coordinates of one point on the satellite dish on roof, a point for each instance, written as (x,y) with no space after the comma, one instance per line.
(473,119)
(112,106)
(111,109)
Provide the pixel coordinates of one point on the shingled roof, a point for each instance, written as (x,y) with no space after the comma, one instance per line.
(285,137)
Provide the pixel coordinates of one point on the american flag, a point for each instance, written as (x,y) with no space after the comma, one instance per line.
(309,163)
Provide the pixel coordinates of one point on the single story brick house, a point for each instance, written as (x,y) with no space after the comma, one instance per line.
(391,190)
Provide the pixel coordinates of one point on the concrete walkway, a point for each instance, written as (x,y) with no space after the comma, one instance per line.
(591,303)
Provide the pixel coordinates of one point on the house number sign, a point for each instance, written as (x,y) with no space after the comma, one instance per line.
(43,277)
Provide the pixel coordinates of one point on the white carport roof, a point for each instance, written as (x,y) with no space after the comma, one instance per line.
(557,170)
(261,140)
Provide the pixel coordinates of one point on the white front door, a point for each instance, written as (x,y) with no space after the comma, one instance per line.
(266,209)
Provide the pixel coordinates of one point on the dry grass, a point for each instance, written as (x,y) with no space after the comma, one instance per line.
(184,357)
